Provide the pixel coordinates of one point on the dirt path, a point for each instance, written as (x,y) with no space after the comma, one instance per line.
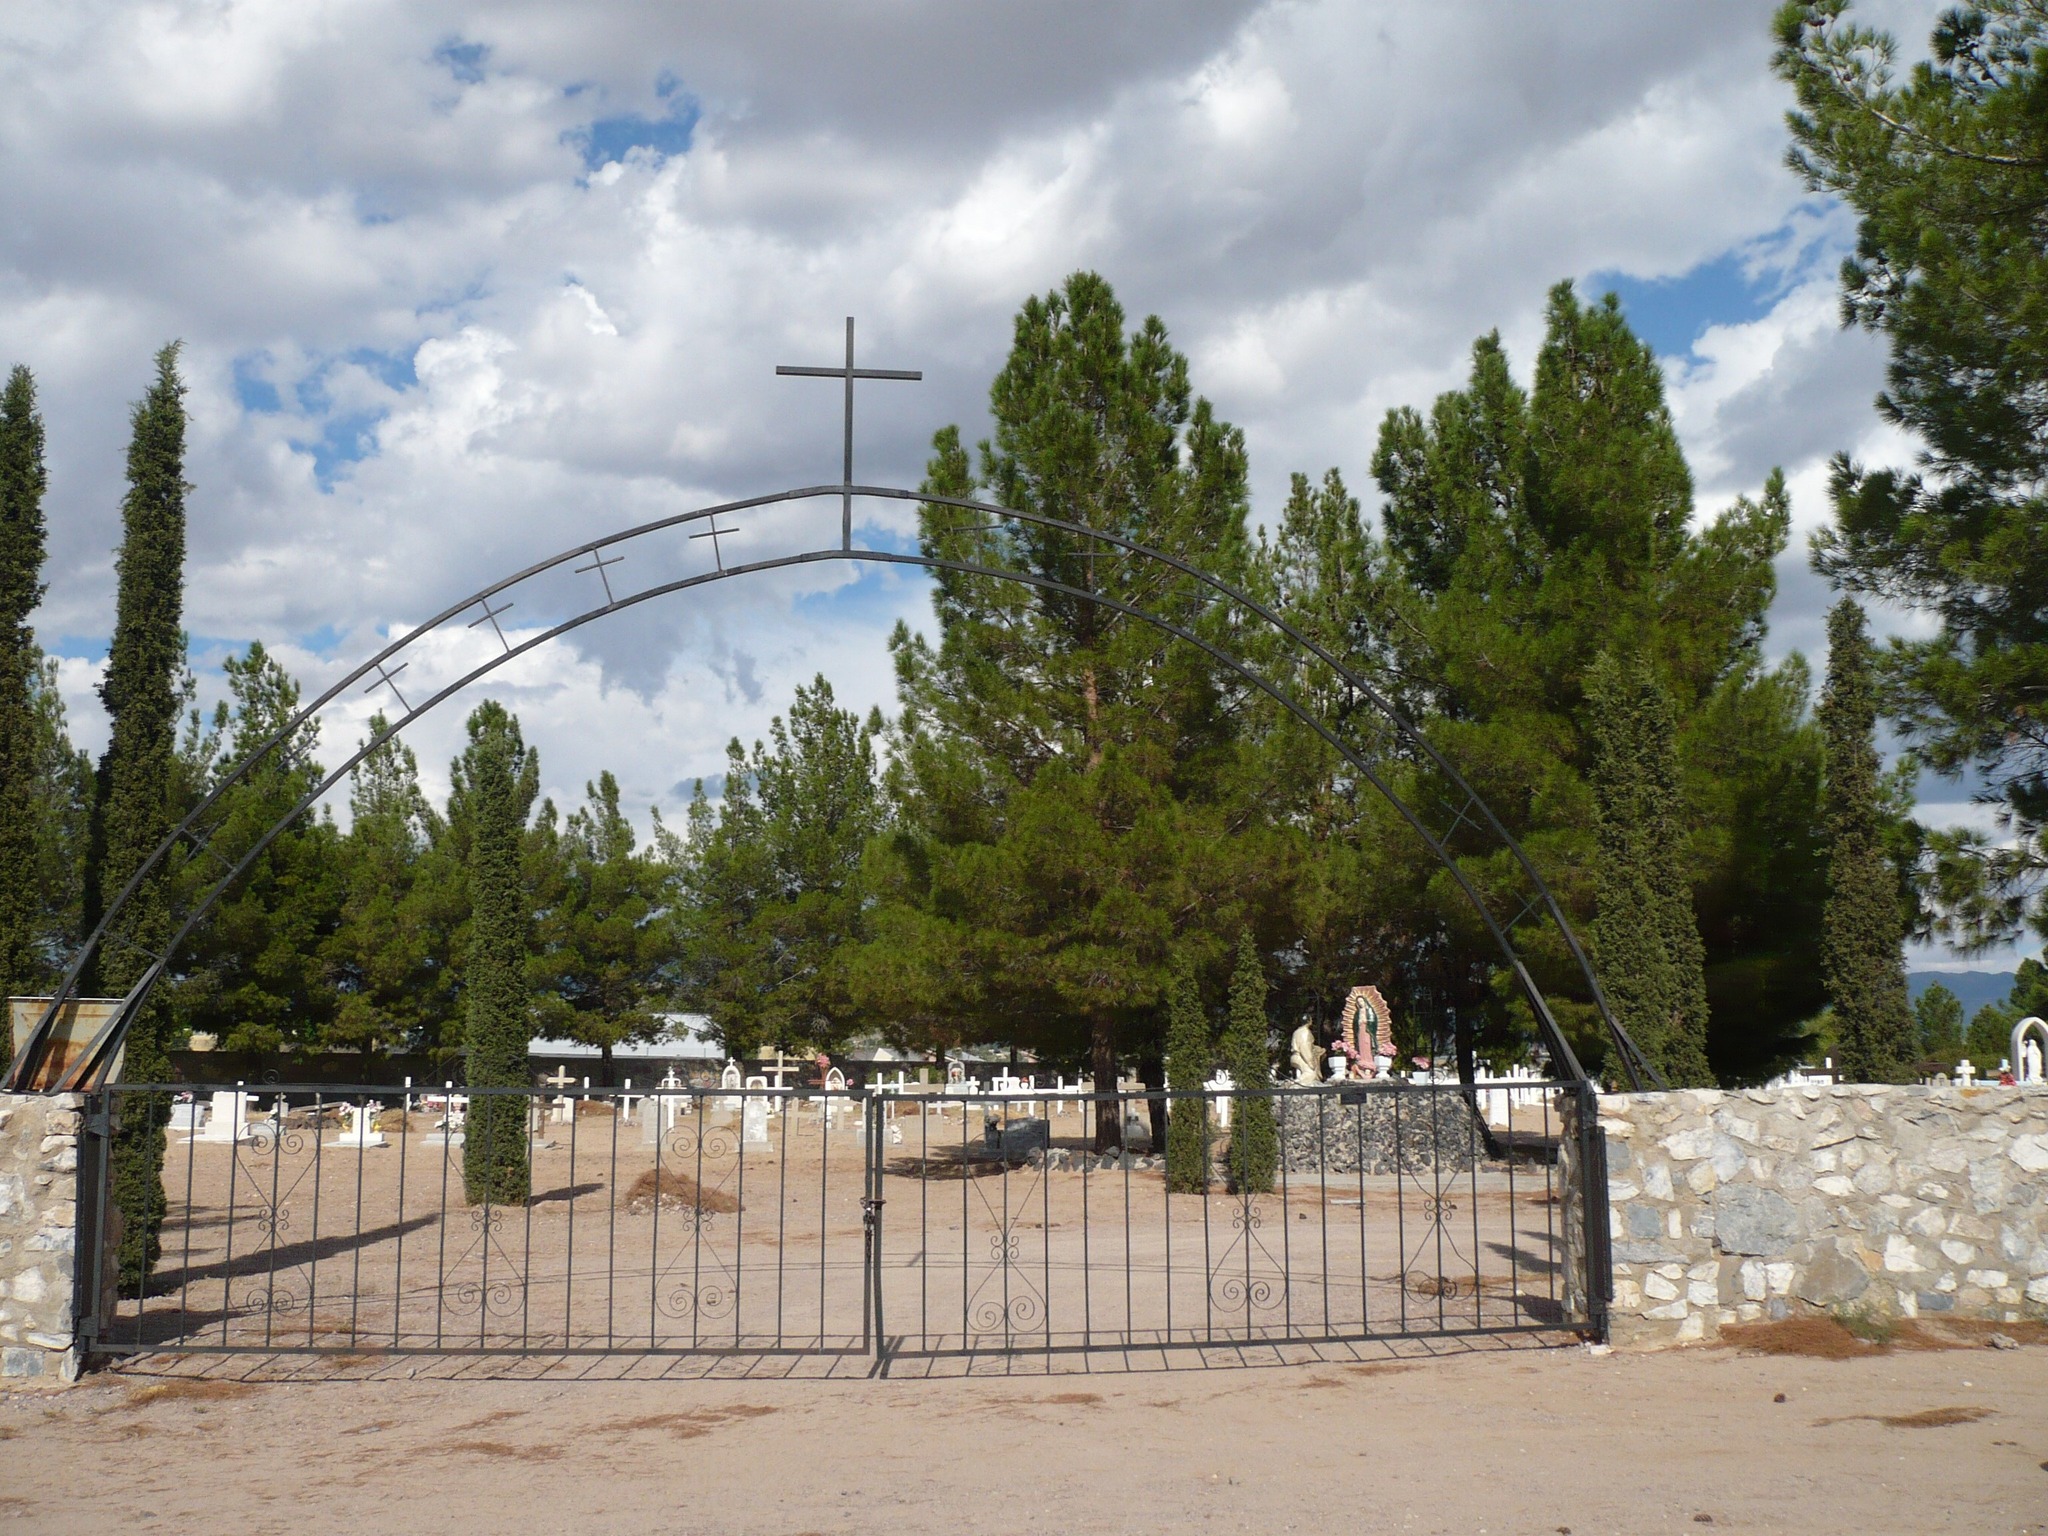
(1494,1441)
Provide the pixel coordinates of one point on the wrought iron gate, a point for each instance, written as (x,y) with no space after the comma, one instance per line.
(919,1224)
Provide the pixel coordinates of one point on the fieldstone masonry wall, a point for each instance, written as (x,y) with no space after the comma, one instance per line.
(1766,1203)
(39,1136)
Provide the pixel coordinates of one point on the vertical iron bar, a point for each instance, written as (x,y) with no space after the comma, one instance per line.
(1400,1213)
(1473,1127)
(569,1244)
(611,1231)
(1550,1205)
(532,1149)
(696,1231)
(654,1233)
(313,1264)
(1364,1266)
(781,1199)
(1436,1172)
(355,1283)
(398,1273)
(739,1224)
(1323,1193)
(824,1172)
(1281,1103)
(1514,1246)
(97,1237)
(270,1279)
(1208,1257)
(441,1256)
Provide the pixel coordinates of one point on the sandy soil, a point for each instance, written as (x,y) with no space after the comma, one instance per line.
(1492,1440)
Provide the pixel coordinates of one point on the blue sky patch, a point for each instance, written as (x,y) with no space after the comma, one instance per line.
(1671,313)
(343,440)
(255,392)
(465,61)
(613,138)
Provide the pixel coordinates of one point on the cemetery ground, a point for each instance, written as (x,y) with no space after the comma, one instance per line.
(1458,1437)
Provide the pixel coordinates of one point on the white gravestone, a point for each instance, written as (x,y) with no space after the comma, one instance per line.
(1221,1085)
(754,1120)
(188,1117)
(227,1120)
(361,1132)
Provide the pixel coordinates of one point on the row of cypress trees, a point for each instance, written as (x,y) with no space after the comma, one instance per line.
(133,805)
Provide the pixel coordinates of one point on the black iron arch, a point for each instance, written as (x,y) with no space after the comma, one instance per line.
(93,1066)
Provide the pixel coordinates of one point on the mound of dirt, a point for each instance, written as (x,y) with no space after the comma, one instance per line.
(676,1191)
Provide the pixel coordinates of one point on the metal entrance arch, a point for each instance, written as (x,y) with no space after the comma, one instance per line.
(92,1067)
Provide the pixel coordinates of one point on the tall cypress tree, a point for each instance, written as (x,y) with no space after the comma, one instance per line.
(1188,1054)
(1646,938)
(1247,1051)
(22,482)
(134,786)
(1863,930)
(497,778)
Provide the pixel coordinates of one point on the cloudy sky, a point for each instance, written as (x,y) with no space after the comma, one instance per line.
(463,284)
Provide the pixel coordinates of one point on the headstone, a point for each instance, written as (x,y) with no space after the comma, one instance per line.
(361,1132)
(188,1117)
(227,1120)
(1964,1073)
(754,1120)
(1222,1085)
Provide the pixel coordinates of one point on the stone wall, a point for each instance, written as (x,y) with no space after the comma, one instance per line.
(39,1141)
(1766,1203)
(1378,1130)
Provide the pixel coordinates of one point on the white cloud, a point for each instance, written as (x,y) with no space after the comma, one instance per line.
(1325,201)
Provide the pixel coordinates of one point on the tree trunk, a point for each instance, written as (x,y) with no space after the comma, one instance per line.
(1109,1116)
(1152,1068)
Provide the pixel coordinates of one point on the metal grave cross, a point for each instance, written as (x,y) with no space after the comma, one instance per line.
(849,373)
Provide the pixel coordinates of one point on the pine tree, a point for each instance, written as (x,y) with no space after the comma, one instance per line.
(1527,531)
(255,974)
(1062,769)
(1646,940)
(1938,1017)
(392,956)
(1247,1051)
(607,960)
(134,789)
(1189,1055)
(22,482)
(1862,955)
(497,778)
(773,907)
(1946,166)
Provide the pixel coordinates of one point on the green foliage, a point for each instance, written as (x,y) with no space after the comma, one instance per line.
(1862,959)
(606,953)
(1254,1156)
(1646,941)
(394,955)
(22,483)
(1527,532)
(1938,1020)
(1064,775)
(134,792)
(498,779)
(1189,1055)
(1947,170)
(771,903)
(254,973)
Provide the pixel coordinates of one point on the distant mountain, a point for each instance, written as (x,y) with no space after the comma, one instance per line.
(1974,988)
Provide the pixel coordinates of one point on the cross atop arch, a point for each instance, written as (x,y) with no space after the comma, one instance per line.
(850,373)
